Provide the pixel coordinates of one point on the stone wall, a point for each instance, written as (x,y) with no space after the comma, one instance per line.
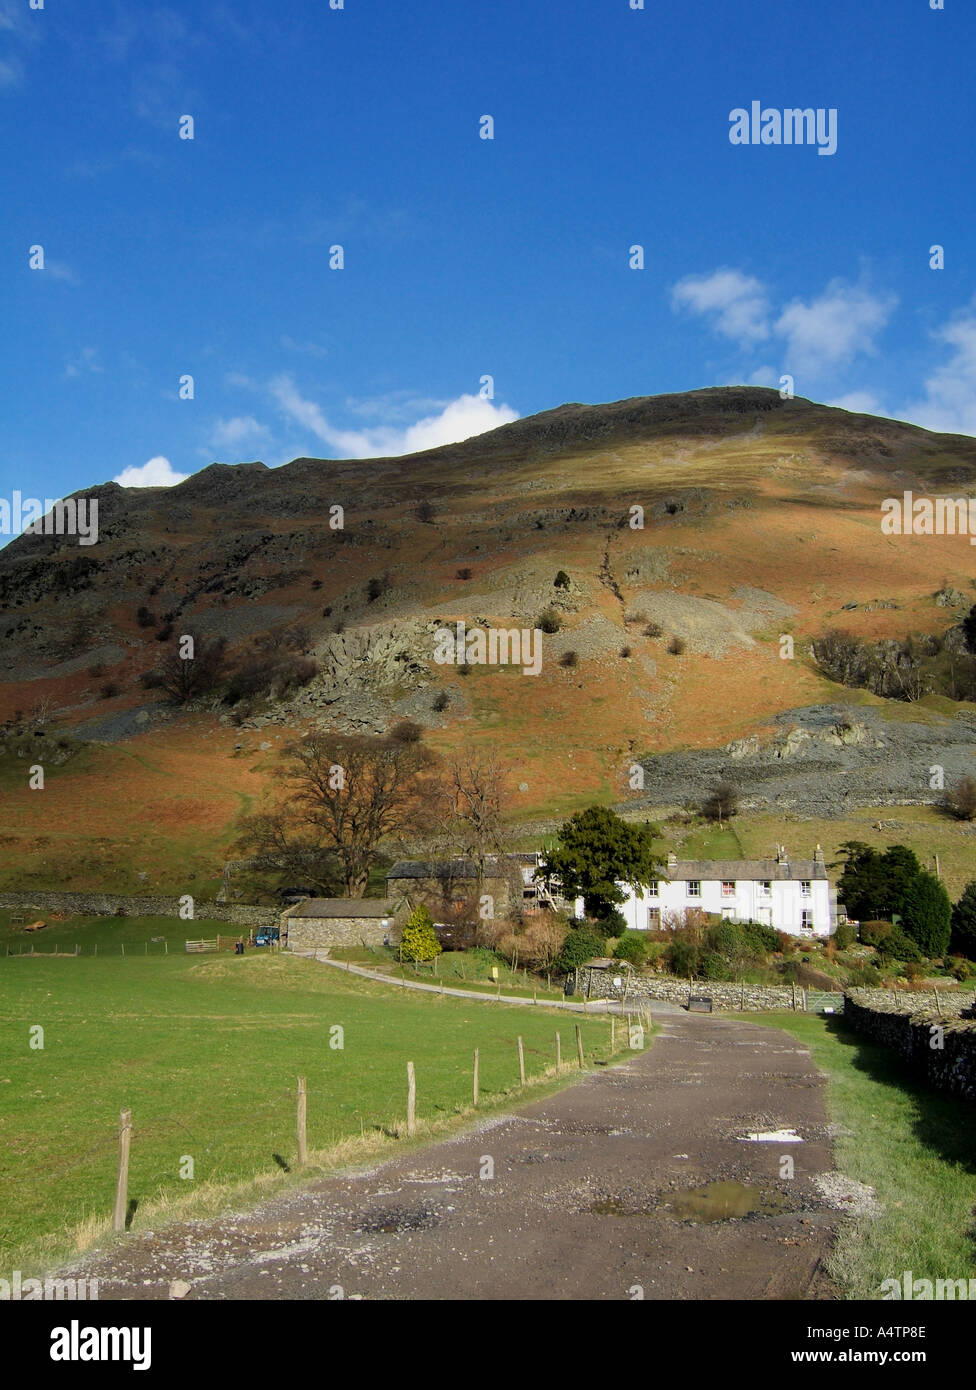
(724,995)
(942,1050)
(312,932)
(118,905)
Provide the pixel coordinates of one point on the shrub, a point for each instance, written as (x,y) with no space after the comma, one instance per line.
(721,803)
(151,680)
(375,587)
(109,690)
(426,511)
(464,668)
(960,800)
(865,976)
(569,659)
(550,621)
(581,944)
(144,618)
(632,947)
(612,922)
(625,652)
(914,970)
(165,632)
(897,946)
(964,923)
(843,937)
(676,646)
(682,958)
(764,938)
(875,933)
(465,572)
(418,941)
(406,731)
(653,630)
(441,701)
(562,580)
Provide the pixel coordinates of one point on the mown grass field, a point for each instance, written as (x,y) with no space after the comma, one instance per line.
(915,1147)
(206,1051)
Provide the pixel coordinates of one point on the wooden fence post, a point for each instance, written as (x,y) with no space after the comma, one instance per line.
(411,1099)
(559,1052)
(476,1076)
(122,1182)
(579,1045)
(521,1053)
(302,1123)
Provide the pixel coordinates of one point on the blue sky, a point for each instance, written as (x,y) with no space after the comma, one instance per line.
(465,257)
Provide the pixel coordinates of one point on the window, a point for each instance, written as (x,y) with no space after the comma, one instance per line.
(765,888)
(652,889)
(728,889)
(653,919)
(805,887)
(806,919)
(694,888)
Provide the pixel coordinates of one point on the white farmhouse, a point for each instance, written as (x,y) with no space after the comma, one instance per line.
(793,896)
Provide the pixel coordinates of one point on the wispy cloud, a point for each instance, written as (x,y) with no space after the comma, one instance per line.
(85,361)
(830,330)
(157,472)
(238,430)
(736,304)
(949,402)
(456,420)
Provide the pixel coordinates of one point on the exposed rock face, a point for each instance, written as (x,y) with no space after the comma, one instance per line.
(821,760)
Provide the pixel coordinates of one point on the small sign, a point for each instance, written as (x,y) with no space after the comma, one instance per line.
(699,1004)
(494,972)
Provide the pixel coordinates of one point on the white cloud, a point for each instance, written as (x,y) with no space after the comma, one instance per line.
(736,303)
(230,434)
(829,331)
(158,472)
(949,403)
(457,420)
(860,402)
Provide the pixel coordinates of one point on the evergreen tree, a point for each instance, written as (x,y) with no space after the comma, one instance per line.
(964,923)
(596,851)
(926,914)
(418,941)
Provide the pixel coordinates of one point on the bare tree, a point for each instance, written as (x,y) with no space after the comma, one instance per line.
(278,841)
(721,803)
(960,800)
(473,797)
(354,792)
(184,678)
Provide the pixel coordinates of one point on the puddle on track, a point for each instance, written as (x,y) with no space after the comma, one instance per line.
(717,1201)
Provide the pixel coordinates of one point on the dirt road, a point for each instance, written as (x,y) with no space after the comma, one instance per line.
(593,1193)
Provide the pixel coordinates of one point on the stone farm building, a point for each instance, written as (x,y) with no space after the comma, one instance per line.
(449,887)
(792,896)
(341,922)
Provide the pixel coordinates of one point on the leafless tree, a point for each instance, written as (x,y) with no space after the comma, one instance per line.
(353,793)
(473,799)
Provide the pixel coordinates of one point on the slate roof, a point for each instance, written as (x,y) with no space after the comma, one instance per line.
(723,870)
(344,907)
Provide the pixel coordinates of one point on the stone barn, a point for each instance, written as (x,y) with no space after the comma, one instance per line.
(341,922)
(450,890)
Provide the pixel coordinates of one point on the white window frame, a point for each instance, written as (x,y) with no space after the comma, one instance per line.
(654,889)
(728,888)
(765,888)
(694,888)
(805,887)
(806,912)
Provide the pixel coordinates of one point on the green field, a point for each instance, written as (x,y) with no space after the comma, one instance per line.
(915,1147)
(206,1051)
